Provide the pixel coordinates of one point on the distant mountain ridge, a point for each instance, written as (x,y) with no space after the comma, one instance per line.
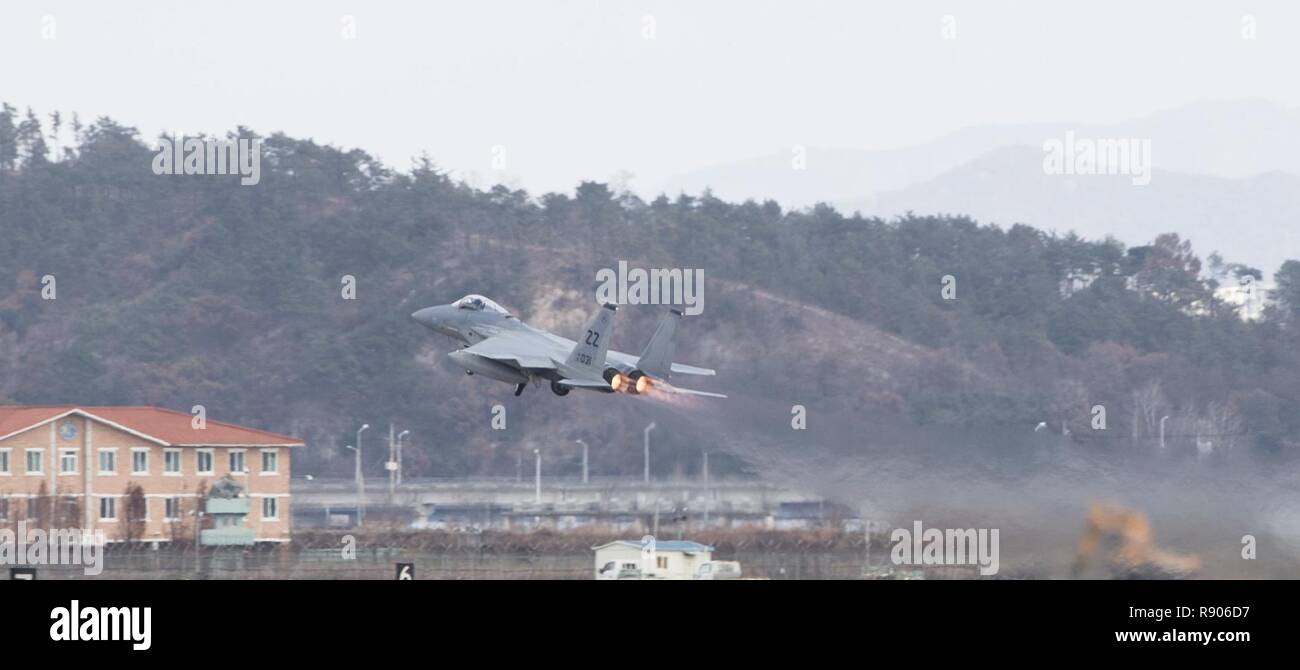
(1252,220)
(1236,138)
(1229,179)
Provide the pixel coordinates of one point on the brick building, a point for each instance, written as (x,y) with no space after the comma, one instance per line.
(70,466)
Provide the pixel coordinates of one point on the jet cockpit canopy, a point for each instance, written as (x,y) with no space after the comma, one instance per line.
(479,303)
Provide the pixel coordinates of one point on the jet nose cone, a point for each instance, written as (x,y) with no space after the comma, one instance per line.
(424,316)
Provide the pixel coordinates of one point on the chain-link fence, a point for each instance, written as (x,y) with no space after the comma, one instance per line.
(486,555)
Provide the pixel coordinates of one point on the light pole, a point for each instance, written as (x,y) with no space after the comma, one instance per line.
(646,435)
(537,477)
(361,482)
(1163,419)
(248,492)
(399,455)
(356,479)
(706,488)
(584,460)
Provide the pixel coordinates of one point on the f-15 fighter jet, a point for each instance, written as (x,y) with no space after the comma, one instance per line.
(499,346)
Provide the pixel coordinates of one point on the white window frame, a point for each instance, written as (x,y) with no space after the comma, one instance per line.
(275,504)
(27,461)
(177,515)
(198,461)
(112,502)
(8,459)
(243,459)
(64,453)
(140,450)
(99,464)
(180,462)
(275,457)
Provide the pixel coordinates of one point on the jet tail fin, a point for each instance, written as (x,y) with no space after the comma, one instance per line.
(589,353)
(657,358)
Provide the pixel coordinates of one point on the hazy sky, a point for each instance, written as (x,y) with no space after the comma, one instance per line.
(574,90)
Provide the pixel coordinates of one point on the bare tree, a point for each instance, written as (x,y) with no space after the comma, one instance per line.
(1148,401)
(69,512)
(133,513)
(43,512)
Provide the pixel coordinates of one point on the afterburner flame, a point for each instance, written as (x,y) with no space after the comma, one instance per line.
(642,384)
(618,382)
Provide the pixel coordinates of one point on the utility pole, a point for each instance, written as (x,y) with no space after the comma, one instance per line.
(356,479)
(361,482)
(646,435)
(391,464)
(537,477)
(399,455)
(584,460)
(707,493)
(1163,419)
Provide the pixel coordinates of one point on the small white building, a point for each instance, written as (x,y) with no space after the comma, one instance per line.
(662,559)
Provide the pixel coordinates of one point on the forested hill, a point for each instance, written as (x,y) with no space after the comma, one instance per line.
(185,290)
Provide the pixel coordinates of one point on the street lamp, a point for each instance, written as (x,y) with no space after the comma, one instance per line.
(1163,419)
(356,478)
(537,477)
(584,460)
(248,492)
(646,434)
(360,482)
(399,455)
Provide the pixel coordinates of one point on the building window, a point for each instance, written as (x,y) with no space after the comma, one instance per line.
(270,462)
(270,508)
(171,508)
(139,461)
(4,509)
(107,462)
(35,462)
(68,462)
(661,562)
(107,509)
(205,461)
(172,461)
(237,460)
(4,461)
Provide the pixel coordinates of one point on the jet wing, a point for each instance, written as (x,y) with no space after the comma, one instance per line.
(518,348)
(627,363)
(586,383)
(663,386)
(682,369)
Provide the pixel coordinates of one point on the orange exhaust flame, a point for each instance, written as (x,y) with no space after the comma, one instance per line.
(618,382)
(642,384)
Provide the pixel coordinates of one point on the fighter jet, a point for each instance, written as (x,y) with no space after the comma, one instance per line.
(499,346)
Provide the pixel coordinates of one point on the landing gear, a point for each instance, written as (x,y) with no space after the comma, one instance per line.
(519,388)
(559,390)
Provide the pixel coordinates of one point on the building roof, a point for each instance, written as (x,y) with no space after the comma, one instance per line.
(685,546)
(164,426)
